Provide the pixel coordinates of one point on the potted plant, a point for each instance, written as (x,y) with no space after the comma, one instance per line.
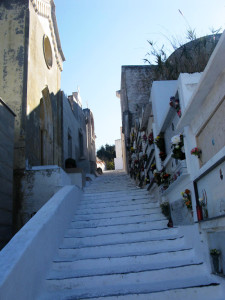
(165,208)
(215,254)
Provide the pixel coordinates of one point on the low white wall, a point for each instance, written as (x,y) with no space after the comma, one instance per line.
(38,185)
(118,163)
(76,179)
(26,258)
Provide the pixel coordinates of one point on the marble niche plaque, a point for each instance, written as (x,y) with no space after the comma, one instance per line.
(180,214)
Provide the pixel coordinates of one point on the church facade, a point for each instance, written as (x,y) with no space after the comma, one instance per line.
(31,61)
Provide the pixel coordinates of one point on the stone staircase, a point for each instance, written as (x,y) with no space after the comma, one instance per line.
(118,246)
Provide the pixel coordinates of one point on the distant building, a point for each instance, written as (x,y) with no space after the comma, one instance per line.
(118,160)
(78,133)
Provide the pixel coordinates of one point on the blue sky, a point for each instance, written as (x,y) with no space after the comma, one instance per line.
(99,36)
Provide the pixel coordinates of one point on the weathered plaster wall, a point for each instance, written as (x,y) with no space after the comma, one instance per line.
(135,89)
(90,130)
(14,28)
(134,95)
(74,124)
(40,76)
(21,58)
(38,185)
(6,172)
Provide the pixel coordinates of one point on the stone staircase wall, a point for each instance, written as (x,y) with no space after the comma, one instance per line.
(27,256)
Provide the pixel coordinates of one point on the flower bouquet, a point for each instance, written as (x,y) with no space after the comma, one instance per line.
(153,167)
(178,147)
(165,179)
(196,151)
(162,155)
(187,198)
(175,103)
(144,137)
(157,177)
(159,141)
(150,138)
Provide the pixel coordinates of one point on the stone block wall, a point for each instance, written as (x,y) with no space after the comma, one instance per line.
(14,31)
(6,172)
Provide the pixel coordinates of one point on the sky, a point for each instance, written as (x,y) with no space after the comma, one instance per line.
(100,36)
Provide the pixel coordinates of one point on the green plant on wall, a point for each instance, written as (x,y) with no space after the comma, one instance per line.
(165,208)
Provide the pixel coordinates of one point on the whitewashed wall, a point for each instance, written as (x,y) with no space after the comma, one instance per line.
(26,258)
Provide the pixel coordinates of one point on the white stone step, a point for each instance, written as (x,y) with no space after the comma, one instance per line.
(210,292)
(132,227)
(121,250)
(118,203)
(116,200)
(118,246)
(119,220)
(122,284)
(117,214)
(133,193)
(116,208)
(123,265)
(119,238)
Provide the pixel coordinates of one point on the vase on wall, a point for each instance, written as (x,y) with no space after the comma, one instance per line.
(199,213)
(216,263)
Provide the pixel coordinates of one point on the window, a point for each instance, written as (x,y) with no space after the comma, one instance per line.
(47,51)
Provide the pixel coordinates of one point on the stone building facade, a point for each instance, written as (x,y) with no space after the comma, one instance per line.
(90,131)
(78,133)
(49,127)
(31,59)
(6,172)
(134,95)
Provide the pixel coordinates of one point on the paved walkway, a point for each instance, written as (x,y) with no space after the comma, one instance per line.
(118,246)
